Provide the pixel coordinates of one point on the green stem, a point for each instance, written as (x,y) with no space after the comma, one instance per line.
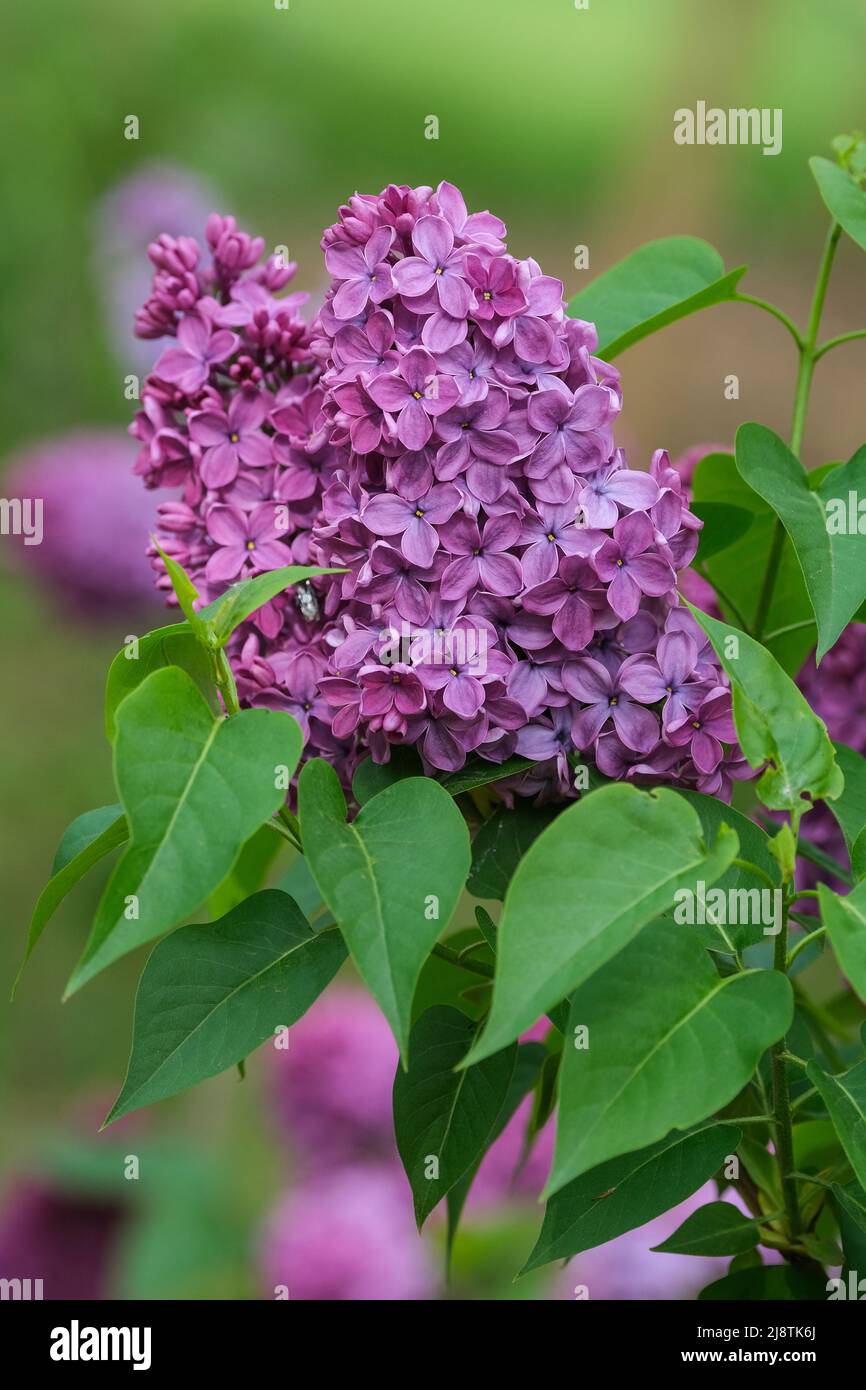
(726,598)
(771,309)
(837,342)
(803,943)
(808,358)
(226,683)
(476,967)
(789,627)
(782,1101)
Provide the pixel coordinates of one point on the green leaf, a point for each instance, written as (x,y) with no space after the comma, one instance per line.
(774,721)
(843,197)
(444,1119)
(858,857)
(392,877)
(176,645)
(772,1282)
(371,778)
(299,883)
(194,790)
(628,1191)
(849,809)
(845,920)
(210,994)
(723,526)
(850,1203)
(845,1099)
(755,850)
(186,594)
(486,926)
(739,571)
(716,1229)
(240,601)
(88,839)
(501,843)
(604,868)
(659,283)
(248,873)
(833,565)
(531,1057)
(478,772)
(692,1042)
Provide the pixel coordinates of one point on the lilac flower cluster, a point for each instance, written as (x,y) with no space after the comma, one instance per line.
(486,519)
(229,417)
(443,433)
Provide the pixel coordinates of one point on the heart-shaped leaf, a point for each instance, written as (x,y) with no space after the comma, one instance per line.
(692,1043)
(444,1119)
(659,283)
(501,843)
(630,1190)
(775,723)
(176,645)
(604,868)
(210,994)
(391,877)
(843,196)
(194,789)
(831,551)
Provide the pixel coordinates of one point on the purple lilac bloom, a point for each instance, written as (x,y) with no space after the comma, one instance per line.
(95,523)
(347,1235)
(443,433)
(69,1240)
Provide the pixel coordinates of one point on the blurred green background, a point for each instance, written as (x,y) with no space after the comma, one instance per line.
(558,119)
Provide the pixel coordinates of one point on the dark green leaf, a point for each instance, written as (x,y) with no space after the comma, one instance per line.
(392,877)
(444,1119)
(486,926)
(210,994)
(850,1203)
(194,789)
(723,525)
(604,868)
(627,1192)
(833,561)
(371,778)
(772,1282)
(692,1043)
(87,840)
(654,286)
(501,843)
(478,772)
(774,722)
(716,1229)
(176,645)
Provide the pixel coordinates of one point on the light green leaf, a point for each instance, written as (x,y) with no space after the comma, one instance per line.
(754,849)
(501,843)
(604,868)
(176,645)
(194,790)
(716,1229)
(833,562)
(849,809)
(444,1119)
(845,1098)
(392,877)
(843,197)
(241,600)
(739,571)
(210,994)
(628,1191)
(186,594)
(87,840)
(845,920)
(659,283)
(774,722)
(692,1042)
